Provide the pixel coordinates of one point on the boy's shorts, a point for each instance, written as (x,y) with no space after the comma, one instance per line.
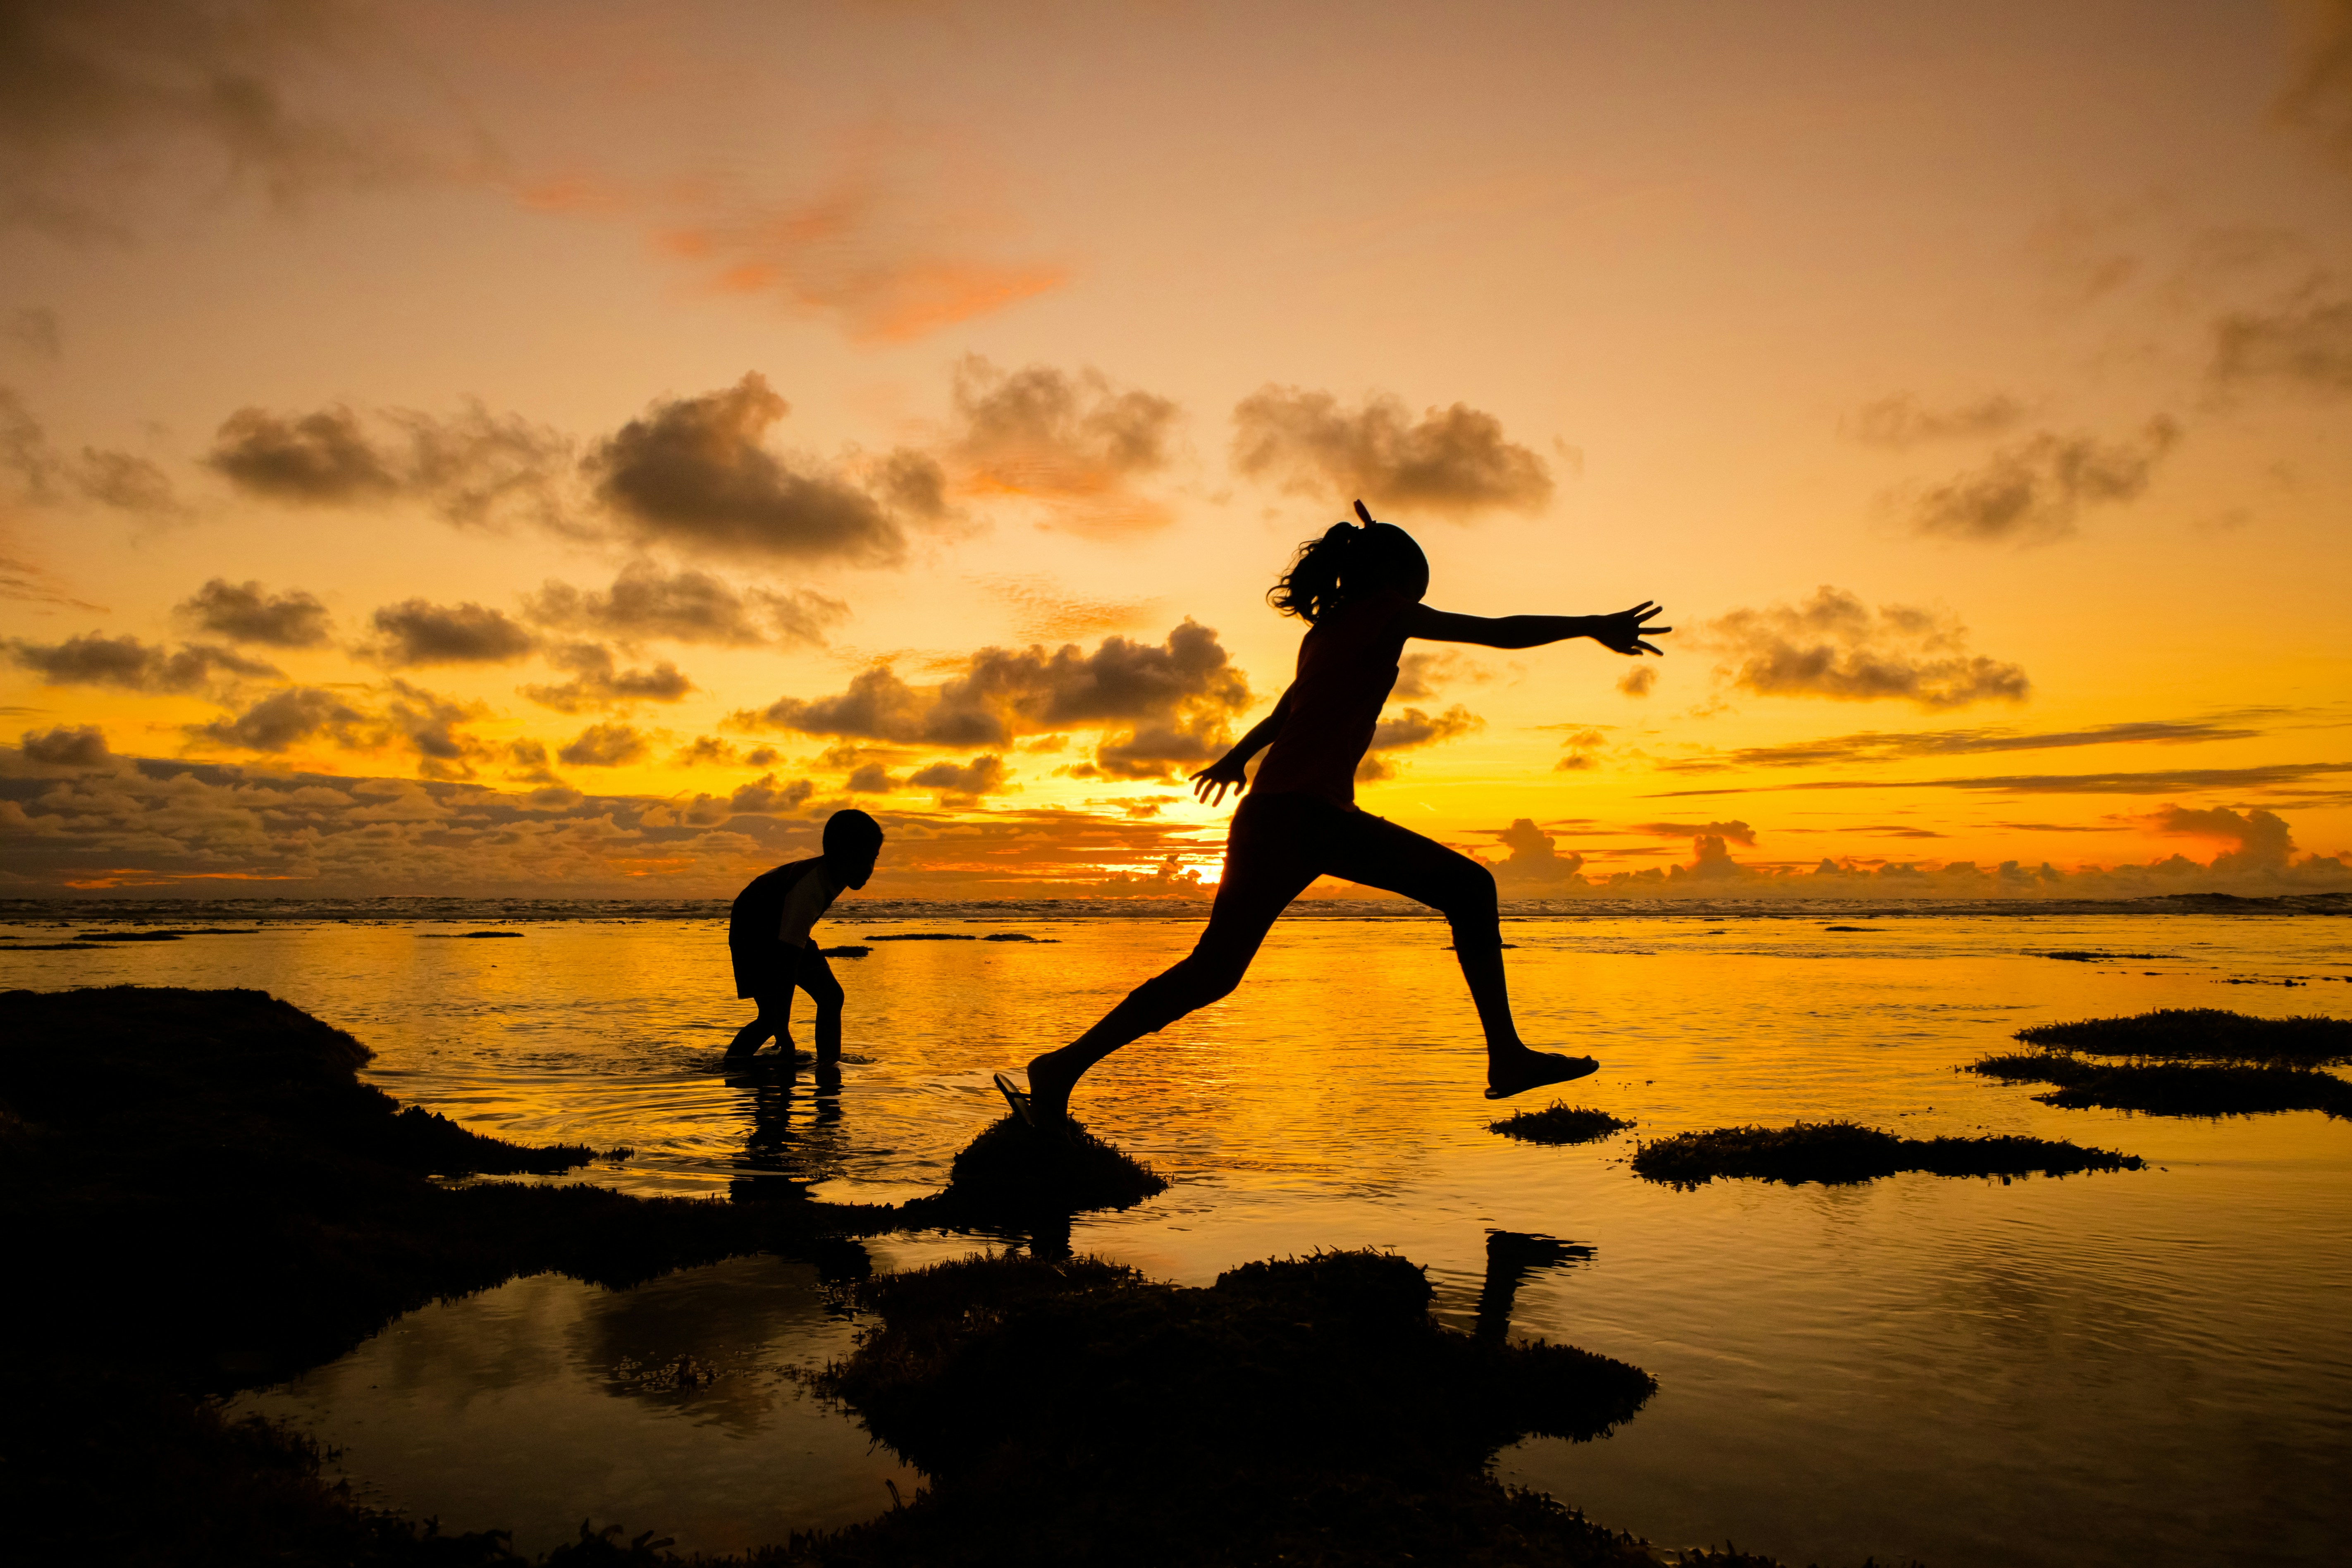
(772,968)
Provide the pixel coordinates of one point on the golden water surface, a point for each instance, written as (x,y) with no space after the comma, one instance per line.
(2137,1368)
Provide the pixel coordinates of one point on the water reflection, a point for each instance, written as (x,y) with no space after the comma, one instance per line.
(1512,1257)
(797,1137)
(2144,1368)
(678,1404)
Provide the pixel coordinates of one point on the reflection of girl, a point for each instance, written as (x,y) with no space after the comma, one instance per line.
(1359,591)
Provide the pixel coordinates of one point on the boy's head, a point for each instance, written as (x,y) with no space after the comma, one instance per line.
(853,842)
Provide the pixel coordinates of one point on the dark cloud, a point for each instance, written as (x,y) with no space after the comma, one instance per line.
(872,778)
(1421,673)
(1900,421)
(1075,442)
(2030,493)
(104,101)
(646,603)
(415,632)
(1834,645)
(474,468)
(286,718)
(34,329)
(912,484)
(83,746)
(705,752)
(1164,753)
(244,612)
(483,469)
(693,472)
(2318,98)
(1173,699)
(1452,462)
(45,476)
(324,458)
(2260,838)
(2169,780)
(527,762)
(1879,746)
(126,483)
(428,722)
(94,660)
(596,682)
(765,796)
(1639,681)
(1534,861)
(1727,832)
(1409,730)
(608,745)
(962,783)
(2304,344)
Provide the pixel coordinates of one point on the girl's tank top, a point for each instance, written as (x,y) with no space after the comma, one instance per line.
(1347,667)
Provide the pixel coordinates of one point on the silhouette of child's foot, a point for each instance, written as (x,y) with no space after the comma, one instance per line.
(1017,1097)
(1045,1102)
(1507,1076)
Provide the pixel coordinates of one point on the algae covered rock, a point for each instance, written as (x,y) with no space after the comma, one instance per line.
(1845,1152)
(1306,1409)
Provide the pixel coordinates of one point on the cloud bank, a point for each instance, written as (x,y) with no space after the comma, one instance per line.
(1834,645)
(1453,463)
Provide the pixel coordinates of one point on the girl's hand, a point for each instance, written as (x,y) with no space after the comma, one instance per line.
(1622,632)
(1209,784)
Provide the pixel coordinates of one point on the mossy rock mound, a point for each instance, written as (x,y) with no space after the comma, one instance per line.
(1013,1174)
(2204,1033)
(1560,1123)
(1299,1410)
(1845,1152)
(223,1068)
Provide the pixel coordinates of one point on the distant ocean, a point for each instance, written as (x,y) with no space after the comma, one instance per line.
(176,909)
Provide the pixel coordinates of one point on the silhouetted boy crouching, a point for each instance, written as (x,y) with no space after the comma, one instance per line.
(768,936)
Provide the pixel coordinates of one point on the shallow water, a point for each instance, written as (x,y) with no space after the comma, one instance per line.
(2138,1367)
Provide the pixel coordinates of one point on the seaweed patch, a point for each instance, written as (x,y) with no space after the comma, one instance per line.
(2194,1062)
(1844,1152)
(1560,1123)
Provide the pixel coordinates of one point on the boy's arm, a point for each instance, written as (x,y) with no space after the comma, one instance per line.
(1210,782)
(1621,633)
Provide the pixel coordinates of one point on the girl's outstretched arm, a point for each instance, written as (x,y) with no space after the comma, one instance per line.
(1621,633)
(1210,782)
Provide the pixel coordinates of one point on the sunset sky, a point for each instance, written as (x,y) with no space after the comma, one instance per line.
(514,448)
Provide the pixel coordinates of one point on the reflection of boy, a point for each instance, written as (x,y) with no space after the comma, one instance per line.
(768,936)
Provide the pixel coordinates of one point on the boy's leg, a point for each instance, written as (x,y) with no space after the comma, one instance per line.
(815,977)
(1380,854)
(772,1020)
(1265,868)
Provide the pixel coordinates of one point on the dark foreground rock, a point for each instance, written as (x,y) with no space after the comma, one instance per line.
(1835,1152)
(1302,1410)
(200,1198)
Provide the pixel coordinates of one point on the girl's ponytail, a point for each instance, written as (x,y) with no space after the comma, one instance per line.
(1318,573)
(1346,562)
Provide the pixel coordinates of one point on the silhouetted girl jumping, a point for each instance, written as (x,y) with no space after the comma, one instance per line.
(1359,591)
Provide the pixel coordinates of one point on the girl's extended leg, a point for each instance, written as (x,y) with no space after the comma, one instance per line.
(1380,854)
(1267,864)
